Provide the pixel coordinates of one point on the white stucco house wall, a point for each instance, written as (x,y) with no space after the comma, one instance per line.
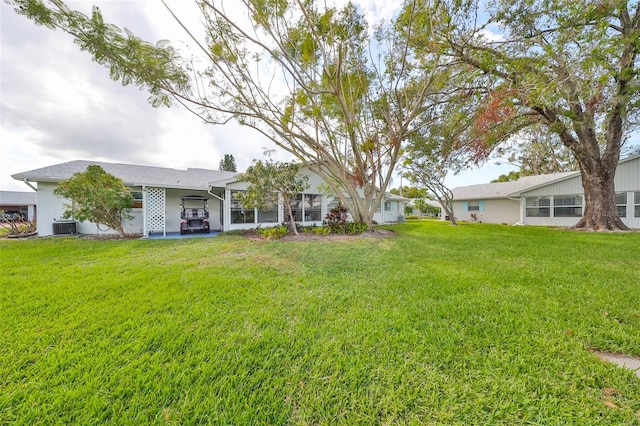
(547,200)
(494,202)
(157,192)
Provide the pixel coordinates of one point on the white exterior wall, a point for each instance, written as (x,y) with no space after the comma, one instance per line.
(495,211)
(629,219)
(314,185)
(50,208)
(627,180)
(394,214)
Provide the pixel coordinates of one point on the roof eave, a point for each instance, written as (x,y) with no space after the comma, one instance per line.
(541,185)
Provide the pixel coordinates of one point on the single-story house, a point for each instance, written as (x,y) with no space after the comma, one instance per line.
(548,200)
(20,202)
(157,192)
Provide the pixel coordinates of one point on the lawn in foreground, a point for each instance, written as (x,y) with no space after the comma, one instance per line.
(475,324)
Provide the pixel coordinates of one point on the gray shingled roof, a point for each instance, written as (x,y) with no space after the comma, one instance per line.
(507,189)
(394,197)
(132,175)
(17,198)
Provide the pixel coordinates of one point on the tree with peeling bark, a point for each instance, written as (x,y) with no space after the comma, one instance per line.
(571,66)
(316,80)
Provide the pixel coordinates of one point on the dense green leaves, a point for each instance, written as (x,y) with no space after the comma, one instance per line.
(570,66)
(97,196)
(271,183)
(228,163)
(131,60)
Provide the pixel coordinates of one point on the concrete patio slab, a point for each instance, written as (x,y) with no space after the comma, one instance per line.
(632,364)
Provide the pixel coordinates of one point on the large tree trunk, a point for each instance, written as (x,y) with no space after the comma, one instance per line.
(600,213)
(597,168)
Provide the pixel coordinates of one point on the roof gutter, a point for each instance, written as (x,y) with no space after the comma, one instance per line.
(30,185)
(214,195)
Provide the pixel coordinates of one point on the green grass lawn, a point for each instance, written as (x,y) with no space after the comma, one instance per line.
(475,324)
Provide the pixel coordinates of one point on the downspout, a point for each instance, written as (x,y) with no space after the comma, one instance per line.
(30,185)
(35,208)
(222,206)
(215,195)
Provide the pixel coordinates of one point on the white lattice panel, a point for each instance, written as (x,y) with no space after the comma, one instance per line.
(156,200)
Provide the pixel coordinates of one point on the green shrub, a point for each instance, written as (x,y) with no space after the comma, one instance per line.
(273,232)
(321,230)
(336,219)
(354,228)
(237,232)
(315,230)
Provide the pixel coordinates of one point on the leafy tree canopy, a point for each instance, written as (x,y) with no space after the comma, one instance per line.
(228,163)
(509,177)
(569,66)
(271,182)
(409,192)
(97,196)
(536,151)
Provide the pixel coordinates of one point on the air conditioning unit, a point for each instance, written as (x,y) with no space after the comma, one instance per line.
(65,227)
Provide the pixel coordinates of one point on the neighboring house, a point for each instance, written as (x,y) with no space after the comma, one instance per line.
(157,193)
(494,202)
(416,211)
(548,200)
(23,203)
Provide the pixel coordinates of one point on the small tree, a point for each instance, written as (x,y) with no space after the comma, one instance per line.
(430,156)
(228,163)
(270,181)
(421,205)
(98,197)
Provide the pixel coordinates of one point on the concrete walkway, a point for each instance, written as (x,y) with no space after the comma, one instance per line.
(632,364)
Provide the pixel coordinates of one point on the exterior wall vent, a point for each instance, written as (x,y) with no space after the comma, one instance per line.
(65,227)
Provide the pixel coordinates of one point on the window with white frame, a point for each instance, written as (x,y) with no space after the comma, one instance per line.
(137,199)
(567,206)
(538,207)
(268,214)
(387,206)
(312,207)
(636,204)
(296,208)
(307,207)
(621,204)
(473,206)
(240,214)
